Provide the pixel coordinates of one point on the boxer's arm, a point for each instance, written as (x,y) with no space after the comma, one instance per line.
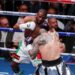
(29,18)
(37,42)
(27,25)
(35,49)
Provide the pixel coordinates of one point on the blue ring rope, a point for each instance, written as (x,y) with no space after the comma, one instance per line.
(10,30)
(14,30)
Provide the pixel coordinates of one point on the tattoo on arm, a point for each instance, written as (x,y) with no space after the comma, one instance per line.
(35,50)
(41,40)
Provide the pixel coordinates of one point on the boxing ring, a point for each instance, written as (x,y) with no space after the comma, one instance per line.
(28,69)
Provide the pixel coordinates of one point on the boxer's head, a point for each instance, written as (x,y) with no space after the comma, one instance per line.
(41,16)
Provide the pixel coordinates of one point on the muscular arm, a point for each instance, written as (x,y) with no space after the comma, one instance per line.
(26,19)
(35,50)
(37,42)
(29,18)
(28,25)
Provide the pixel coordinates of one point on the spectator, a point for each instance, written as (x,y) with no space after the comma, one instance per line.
(8,39)
(3,34)
(22,8)
(5,38)
(19,20)
(20,36)
(69,41)
(58,8)
(53,22)
(52,10)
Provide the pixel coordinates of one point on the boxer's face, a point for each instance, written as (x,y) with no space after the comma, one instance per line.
(40,17)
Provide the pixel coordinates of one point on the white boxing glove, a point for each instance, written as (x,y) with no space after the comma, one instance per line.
(28,25)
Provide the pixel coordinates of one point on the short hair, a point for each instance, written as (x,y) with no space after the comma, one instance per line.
(43,11)
(2,17)
(54,8)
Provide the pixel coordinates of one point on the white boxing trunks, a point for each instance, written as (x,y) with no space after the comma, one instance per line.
(56,67)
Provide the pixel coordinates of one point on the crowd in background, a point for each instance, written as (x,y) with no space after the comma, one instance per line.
(33,6)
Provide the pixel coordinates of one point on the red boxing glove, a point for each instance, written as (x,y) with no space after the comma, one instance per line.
(14,55)
(38,56)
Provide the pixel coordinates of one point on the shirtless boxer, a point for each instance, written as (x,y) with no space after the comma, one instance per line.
(39,19)
(50,48)
(22,55)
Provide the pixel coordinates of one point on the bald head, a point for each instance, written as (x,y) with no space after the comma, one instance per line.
(52,22)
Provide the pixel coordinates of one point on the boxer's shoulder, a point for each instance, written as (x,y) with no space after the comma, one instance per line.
(29,18)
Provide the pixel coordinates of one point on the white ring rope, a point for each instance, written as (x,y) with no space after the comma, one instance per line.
(13,50)
(29,14)
(72,54)
(14,30)
(7,49)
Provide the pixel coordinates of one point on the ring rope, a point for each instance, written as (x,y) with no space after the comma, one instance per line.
(7,49)
(13,50)
(67,34)
(10,29)
(14,30)
(29,14)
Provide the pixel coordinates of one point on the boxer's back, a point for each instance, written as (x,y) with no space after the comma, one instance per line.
(49,46)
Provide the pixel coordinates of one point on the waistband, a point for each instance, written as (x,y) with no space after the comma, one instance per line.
(51,63)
